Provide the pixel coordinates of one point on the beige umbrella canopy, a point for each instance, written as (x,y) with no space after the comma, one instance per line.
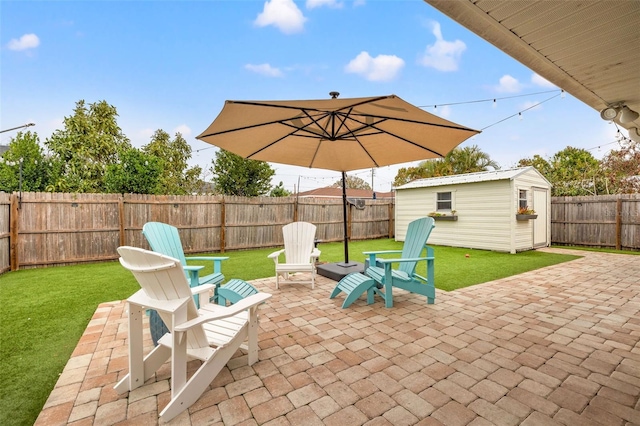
(334,134)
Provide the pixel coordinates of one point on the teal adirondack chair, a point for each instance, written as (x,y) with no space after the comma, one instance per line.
(164,239)
(405,277)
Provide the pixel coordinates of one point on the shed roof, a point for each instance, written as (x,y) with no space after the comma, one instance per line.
(492,175)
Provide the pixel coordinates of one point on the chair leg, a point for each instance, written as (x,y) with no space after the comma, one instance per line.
(183,398)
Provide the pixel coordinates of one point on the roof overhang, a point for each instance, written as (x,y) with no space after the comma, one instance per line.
(590,49)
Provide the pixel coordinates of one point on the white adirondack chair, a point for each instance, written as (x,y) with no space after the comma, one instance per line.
(211,334)
(300,253)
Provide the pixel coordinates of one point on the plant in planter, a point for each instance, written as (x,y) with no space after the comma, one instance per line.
(444,216)
(525,213)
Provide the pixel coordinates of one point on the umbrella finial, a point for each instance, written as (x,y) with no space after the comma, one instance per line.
(334,95)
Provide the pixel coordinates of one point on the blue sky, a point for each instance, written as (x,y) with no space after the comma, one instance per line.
(171,65)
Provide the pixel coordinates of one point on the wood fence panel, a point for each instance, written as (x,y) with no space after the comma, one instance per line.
(608,221)
(326,214)
(255,222)
(55,229)
(5,240)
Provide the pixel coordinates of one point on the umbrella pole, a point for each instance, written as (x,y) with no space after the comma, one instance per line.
(344,217)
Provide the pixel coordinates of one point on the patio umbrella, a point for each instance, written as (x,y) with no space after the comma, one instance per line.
(334,134)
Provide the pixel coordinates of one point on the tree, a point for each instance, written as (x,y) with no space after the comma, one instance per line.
(136,173)
(90,140)
(352,182)
(176,178)
(24,157)
(279,191)
(538,163)
(469,159)
(621,169)
(574,171)
(234,175)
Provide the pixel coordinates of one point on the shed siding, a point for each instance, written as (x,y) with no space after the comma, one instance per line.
(486,204)
(484,211)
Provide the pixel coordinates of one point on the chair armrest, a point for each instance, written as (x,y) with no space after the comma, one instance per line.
(217,261)
(275,255)
(315,253)
(225,311)
(409,259)
(381,252)
(202,289)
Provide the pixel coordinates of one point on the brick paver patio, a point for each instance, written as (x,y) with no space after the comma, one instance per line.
(556,346)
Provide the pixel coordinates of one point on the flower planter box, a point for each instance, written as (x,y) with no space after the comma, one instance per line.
(526,216)
(450,218)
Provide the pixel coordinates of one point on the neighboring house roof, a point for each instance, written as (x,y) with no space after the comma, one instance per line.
(469,178)
(333,192)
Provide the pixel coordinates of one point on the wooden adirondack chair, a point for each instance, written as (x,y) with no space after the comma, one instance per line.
(211,334)
(405,277)
(300,253)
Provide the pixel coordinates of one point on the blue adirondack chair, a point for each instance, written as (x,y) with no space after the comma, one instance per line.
(405,277)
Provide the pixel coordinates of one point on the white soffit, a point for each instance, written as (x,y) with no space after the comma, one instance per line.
(591,48)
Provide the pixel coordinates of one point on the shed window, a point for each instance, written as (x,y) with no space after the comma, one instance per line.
(522,199)
(443,201)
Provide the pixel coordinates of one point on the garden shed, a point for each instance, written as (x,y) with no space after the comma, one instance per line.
(480,210)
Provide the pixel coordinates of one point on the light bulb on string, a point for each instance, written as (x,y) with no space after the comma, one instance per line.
(562,93)
(520,116)
(495,104)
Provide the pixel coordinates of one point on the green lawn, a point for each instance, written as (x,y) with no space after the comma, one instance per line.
(45,311)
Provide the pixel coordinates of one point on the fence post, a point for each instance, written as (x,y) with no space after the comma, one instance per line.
(121,220)
(14,224)
(223,221)
(619,223)
(391,223)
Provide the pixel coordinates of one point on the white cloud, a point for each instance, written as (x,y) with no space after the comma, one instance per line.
(508,84)
(183,129)
(541,81)
(443,55)
(264,69)
(334,4)
(27,41)
(283,14)
(380,68)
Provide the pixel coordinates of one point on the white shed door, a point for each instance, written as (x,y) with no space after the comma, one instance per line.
(540,224)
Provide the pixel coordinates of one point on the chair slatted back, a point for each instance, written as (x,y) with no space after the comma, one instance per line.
(299,240)
(162,278)
(415,241)
(165,239)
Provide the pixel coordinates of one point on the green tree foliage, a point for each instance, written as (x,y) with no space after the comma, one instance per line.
(135,173)
(176,177)
(24,153)
(571,171)
(353,182)
(469,159)
(279,191)
(234,175)
(90,140)
(621,169)
(542,165)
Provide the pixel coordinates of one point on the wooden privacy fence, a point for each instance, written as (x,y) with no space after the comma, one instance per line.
(609,221)
(45,229)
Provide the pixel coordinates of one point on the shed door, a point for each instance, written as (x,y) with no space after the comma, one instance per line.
(540,224)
